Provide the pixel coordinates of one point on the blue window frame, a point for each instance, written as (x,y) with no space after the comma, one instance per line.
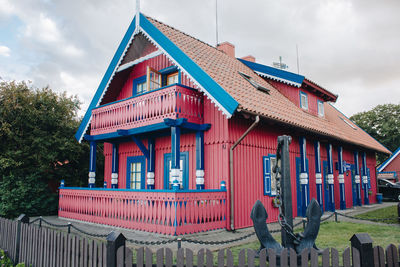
(268,176)
(321,111)
(139,85)
(135,172)
(303,100)
(184,171)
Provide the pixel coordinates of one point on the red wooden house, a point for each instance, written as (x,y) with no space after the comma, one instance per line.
(190,134)
(390,169)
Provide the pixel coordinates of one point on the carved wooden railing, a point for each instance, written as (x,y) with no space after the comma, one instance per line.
(172,213)
(170,102)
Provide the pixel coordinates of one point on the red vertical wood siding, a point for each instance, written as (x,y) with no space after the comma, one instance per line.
(394,166)
(293,93)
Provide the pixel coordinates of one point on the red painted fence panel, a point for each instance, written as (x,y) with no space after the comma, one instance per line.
(172,213)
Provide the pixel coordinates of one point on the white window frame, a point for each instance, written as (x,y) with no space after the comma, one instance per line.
(305,106)
(321,108)
(268,175)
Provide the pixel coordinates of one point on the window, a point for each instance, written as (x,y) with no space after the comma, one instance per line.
(135,173)
(254,83)
(321,111)
(183,175)
(153,79)
(303,100)
(269,176)
(141,88)
(172,78)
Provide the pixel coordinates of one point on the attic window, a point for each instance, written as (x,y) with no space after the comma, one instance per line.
(348,123)
(254,83)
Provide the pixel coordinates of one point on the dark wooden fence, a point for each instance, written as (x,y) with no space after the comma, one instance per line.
(39,246)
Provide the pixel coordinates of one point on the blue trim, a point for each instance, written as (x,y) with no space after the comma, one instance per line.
(175,147)
(356,163)
(384,164)
(329,158)
(317,150)
(135,82)
(145,190)
(280,74)
(199,150)
(364,163)
(135,159)
(92,161)
(198,74)
(152,155)
(141,146)
(168,70)
(303,150)
(184,156)
(327,200)
(342,196)
(303,190)
(306,95)
(114,166)
(106,78)
(340,160)
(267,175)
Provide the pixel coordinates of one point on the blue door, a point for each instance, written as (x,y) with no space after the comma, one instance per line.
(327,202)
(135,173)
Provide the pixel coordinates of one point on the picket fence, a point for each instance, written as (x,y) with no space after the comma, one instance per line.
(39,246)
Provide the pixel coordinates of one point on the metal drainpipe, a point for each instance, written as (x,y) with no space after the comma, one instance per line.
(231,167)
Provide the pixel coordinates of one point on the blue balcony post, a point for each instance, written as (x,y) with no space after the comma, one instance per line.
(175,156)
(330,178)
(365,178)
(341,179)
(92,164)
(357,178)
(303,176)
(200,160)
(114,167)
(150,164)
(318,175)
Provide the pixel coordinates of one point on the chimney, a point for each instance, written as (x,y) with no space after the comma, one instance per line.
(227,48)
(249,58)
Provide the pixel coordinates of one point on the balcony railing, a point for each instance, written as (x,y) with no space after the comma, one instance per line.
(170,102)
(172,213)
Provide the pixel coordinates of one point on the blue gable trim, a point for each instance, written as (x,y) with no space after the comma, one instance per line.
(289,77)
(106,78)
(225,101)
(383,165)
(199,75)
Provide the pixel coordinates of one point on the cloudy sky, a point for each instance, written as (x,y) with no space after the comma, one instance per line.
(350,47)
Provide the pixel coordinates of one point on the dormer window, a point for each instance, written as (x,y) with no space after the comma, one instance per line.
(254,83)
(303,100)
(321,111)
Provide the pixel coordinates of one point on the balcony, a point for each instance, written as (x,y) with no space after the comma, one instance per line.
(172,102)
(159,211)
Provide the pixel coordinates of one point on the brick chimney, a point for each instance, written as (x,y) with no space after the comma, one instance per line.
(249,58)
(227,48)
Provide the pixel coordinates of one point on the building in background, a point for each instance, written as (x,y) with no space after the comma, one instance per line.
(390,169)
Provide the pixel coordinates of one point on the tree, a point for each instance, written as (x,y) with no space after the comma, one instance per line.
(38,148)
(383,123)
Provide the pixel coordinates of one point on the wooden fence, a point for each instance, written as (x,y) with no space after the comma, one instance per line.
(37,246)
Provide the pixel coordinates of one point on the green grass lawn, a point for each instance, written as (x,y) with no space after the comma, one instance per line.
(337,235)
(384,213)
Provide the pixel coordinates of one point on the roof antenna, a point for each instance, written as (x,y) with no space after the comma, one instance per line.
(297,53)
(280,64)
(216,20)
(137,14)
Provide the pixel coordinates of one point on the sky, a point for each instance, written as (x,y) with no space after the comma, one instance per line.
(350,47)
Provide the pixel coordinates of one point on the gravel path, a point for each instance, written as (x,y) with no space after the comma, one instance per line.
(101,231)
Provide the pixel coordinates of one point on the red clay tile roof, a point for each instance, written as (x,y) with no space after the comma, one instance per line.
(225,71)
